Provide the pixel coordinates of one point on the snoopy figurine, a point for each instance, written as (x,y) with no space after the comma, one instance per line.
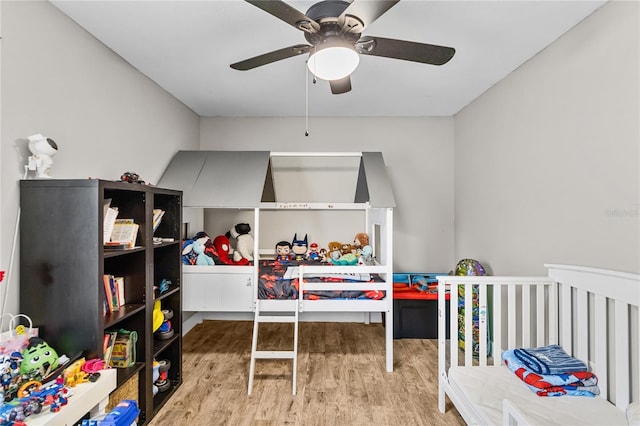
(42,149)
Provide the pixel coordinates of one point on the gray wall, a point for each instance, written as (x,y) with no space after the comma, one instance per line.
(547,161)
(418,153)
(105,116)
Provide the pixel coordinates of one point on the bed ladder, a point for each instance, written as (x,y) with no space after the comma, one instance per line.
(288,315)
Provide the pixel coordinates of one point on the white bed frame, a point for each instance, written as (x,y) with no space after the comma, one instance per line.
(376,219)
(537,311)
(229,290)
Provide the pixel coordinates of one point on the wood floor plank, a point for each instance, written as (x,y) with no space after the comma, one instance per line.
(341,378)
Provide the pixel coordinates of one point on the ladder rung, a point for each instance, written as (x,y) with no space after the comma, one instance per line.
(274,354)
(276,318)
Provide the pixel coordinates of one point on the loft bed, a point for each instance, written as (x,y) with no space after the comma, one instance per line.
(249,185)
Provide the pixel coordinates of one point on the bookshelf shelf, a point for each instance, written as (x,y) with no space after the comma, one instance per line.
(63,269)
(112,319)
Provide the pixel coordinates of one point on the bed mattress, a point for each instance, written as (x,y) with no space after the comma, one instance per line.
(279,280)
(484,388)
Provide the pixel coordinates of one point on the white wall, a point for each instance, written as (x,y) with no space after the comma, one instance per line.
(418,153)
(547,161)
(105,116)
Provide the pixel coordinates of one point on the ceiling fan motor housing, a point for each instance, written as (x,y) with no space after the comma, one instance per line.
(327,13)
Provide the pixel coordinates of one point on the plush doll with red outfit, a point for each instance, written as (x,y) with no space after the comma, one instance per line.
(221,245)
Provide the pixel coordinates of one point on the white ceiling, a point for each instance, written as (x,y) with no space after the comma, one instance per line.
(186,47)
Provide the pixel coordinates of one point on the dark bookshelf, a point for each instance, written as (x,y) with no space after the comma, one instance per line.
(63,260)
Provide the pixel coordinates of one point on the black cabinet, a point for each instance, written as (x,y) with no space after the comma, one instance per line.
(63,261)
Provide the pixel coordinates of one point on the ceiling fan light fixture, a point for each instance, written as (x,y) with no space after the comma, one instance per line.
(333,62)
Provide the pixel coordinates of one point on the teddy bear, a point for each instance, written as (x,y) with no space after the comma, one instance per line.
(334,250)
(244,241)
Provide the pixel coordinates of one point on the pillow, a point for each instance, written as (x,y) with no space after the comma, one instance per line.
(633,413)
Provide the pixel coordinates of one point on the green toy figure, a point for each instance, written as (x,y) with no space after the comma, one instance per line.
(38,356)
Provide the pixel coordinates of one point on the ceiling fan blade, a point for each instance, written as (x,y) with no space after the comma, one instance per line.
(270,57)
(288,14)
(367,11)
(340,86)
(405,50)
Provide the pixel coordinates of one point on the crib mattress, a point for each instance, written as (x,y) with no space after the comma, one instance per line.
(485,387)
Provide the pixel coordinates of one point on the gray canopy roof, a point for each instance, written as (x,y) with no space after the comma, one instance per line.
(243,179)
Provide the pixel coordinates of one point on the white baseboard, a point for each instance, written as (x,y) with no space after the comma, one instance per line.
(197,317)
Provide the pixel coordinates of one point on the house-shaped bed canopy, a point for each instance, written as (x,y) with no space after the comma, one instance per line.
(269,183)
(244,179)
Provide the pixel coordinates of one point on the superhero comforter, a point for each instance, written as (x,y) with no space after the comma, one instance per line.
(278,280)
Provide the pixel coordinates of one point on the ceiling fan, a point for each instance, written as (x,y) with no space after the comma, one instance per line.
(334,30)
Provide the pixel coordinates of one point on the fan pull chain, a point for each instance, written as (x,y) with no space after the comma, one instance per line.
(306,101)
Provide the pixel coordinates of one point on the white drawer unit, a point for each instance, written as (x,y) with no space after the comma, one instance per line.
(229,289)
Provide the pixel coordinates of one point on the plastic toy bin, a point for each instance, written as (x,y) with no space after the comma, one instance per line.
(415,306)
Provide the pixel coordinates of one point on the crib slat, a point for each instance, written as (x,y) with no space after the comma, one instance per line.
(600,344)
(468,324)
(565,324)
(511,321)
(497,325)
(622,353)
(453,321)
(580,328)
(553,314)
(540,319)
(526,316)
(482,320)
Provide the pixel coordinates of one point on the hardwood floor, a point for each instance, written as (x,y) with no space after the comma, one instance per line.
(341,378)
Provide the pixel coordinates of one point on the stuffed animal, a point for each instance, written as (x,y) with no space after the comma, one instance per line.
(334,250)
(324,258)
(221,245)
(198,249)
(346,259)
(244,241)
(283,251)
(366,256)
(38,356)
(359,241)
(190,257)
(347,248)
(299,247)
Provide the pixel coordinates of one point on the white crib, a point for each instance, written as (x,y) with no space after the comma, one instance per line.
(592,313)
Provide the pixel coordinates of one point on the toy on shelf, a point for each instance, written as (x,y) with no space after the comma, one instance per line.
(366,256)
(162,382)
(222,247)
(131,177)
(244,241)
(341,254)
(123,414)
(39,356)
(202,258)
(283,251)
(165,331)
(313,253)
(334,251)
(299,247)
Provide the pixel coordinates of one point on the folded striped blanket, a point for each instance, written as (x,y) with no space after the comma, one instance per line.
(550,359)
(532,366)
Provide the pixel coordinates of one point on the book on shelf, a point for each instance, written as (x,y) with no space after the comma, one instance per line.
(125,231)
(114,289)
(120,290)
(157,218)
(109,341)
(108,293)
(110,216)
